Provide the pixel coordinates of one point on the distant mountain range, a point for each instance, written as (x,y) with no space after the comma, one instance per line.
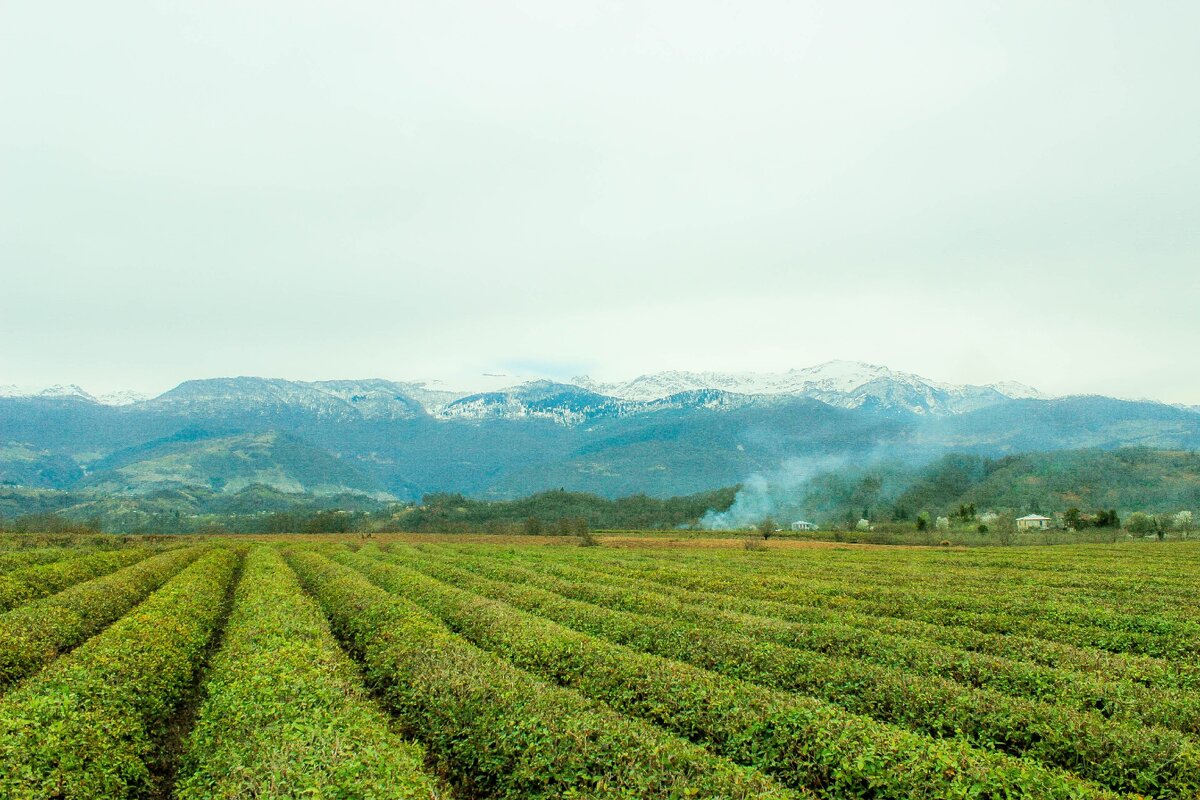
(845,384)
(670,433)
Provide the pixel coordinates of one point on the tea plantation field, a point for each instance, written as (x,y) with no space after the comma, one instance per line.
(457,667)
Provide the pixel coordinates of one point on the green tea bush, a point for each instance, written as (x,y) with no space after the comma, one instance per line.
(1125,700)
(32,556)
(285,713)
(23,585)
(709,588)
(496,731)
(87,726)
(804,742)
(1124,757)
(998,610)
(38,632)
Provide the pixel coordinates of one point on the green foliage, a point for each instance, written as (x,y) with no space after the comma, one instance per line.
(32,556)
(38,632)
(556,512)
(1124,757)
(698,669)
(285,714)
(1131,478)
(827,631)
(86,726)
(494,729)
(1140,523)
(804,742)
(27,584)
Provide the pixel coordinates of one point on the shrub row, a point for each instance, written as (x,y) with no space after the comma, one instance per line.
(959,577)
(1000,611)
(498,732)
(1090,595)
(1171,708)
(805,742)
(30,556)
(36,633)
(1124,757)
(1067,580)
(1149,671)
(86,726)
(30,583)
(285,713)
(1053,621)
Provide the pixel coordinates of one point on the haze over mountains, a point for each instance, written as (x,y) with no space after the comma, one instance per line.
(663,434)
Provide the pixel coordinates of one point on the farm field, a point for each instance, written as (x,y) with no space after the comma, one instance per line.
(439,666)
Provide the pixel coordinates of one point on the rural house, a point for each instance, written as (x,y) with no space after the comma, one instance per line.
(1033,522)
(802,525)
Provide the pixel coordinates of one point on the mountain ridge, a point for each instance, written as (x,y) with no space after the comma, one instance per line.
(843,383)
(406,439)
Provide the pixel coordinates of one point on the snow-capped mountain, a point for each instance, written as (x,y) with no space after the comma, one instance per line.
(57,392)
(124,398)
(72,391)
(669,433)
(843,384)
(847,384)
(561,402)
(364,399)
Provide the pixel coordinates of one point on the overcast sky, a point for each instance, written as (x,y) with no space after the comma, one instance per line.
(973,191)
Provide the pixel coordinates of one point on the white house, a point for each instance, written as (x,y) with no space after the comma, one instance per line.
(1033,522)
(801,525)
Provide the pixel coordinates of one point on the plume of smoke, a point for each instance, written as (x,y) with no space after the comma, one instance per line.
(763,496)
(752,504)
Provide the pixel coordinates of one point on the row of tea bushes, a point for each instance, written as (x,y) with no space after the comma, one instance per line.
(1166,707)
(285,713)
(32,556)
(1124,757)
(87,726)
(1127,633)
(36,633)
(803,742)
(23,585)
(498,732)
(1145,670)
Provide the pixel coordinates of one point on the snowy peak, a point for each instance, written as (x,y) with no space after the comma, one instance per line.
(56,392)
(72,391)
(844,384)
(832,376)
(565,403)
(1017,391)
(382,393)
(125,398)
(366,399)
(847,384)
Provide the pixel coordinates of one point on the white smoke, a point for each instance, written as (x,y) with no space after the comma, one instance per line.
(763,496)
(752,504)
